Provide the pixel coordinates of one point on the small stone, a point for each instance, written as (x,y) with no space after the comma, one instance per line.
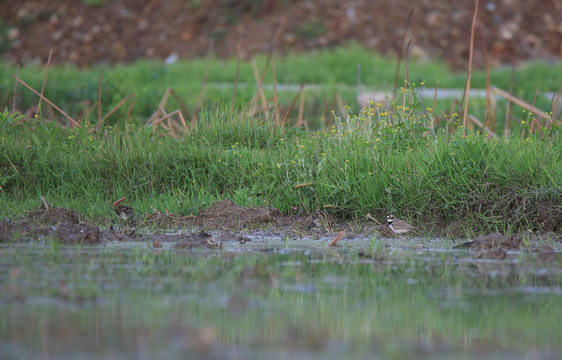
(13,33)
(508,30)
(57,35)
(171,59)
(77,21)
(491,6)
(289,38)
(186,36)
(434,18)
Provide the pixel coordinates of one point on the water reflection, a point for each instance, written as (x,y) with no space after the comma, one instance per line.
(137,303)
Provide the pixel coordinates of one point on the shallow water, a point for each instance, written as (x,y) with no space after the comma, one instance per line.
(277,298)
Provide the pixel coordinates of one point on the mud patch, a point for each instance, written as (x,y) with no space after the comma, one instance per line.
(229,222)
(493,242)
(227,214)
(53,216)
(168,220)
(77,234)
(495,247)
(546,254)
(549,216)
(8,232)
(197,240)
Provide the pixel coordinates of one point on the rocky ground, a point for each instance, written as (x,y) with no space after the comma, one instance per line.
(108,31)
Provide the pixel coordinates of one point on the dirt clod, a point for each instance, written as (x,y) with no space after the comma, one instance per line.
(54,216)
(227,214)
(196,240)
(493,241)
(78,234)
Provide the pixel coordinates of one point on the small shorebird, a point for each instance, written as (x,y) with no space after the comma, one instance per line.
(398,226)
(123,211)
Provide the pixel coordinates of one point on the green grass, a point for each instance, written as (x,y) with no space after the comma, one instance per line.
(371,162)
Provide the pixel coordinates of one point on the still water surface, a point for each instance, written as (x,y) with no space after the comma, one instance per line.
(269,298)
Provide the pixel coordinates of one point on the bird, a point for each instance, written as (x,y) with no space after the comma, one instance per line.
(123,211)
(398,226)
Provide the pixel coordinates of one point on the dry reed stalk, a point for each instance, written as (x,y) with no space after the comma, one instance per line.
(74,122)
(455,108)
(359,89)
(533,104)
(163,125)
(293,102)
(325,115)
(340,258)
(130,108)
(407,62)
(237,68)
(440,116)
(259,92)
(172,125)
(116,107)
(159,120)
(298,186)
(183,106)
(164,99)
(169,126)
(119,201)
(182,120)
(435,120)
(490,101)
(507,123)
(84,115)
(420,99)
(272,45)
(275,100)
(535,125)
(478,123)
(15,88)
(300,120)
(154,119)
(204,86)
(340,104)
(535,96)
(50,112)
(470,55)
(44,203)
(400,47)
(338,238)
(491,116)
(99,102)
(536,111)
(45,80)
(180,125)
(370,217)
(155,116)
(554,109)
(169,91)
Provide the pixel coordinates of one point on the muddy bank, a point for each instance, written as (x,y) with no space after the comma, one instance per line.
(226,221)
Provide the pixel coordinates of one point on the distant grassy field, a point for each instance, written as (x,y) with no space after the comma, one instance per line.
(332,71)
